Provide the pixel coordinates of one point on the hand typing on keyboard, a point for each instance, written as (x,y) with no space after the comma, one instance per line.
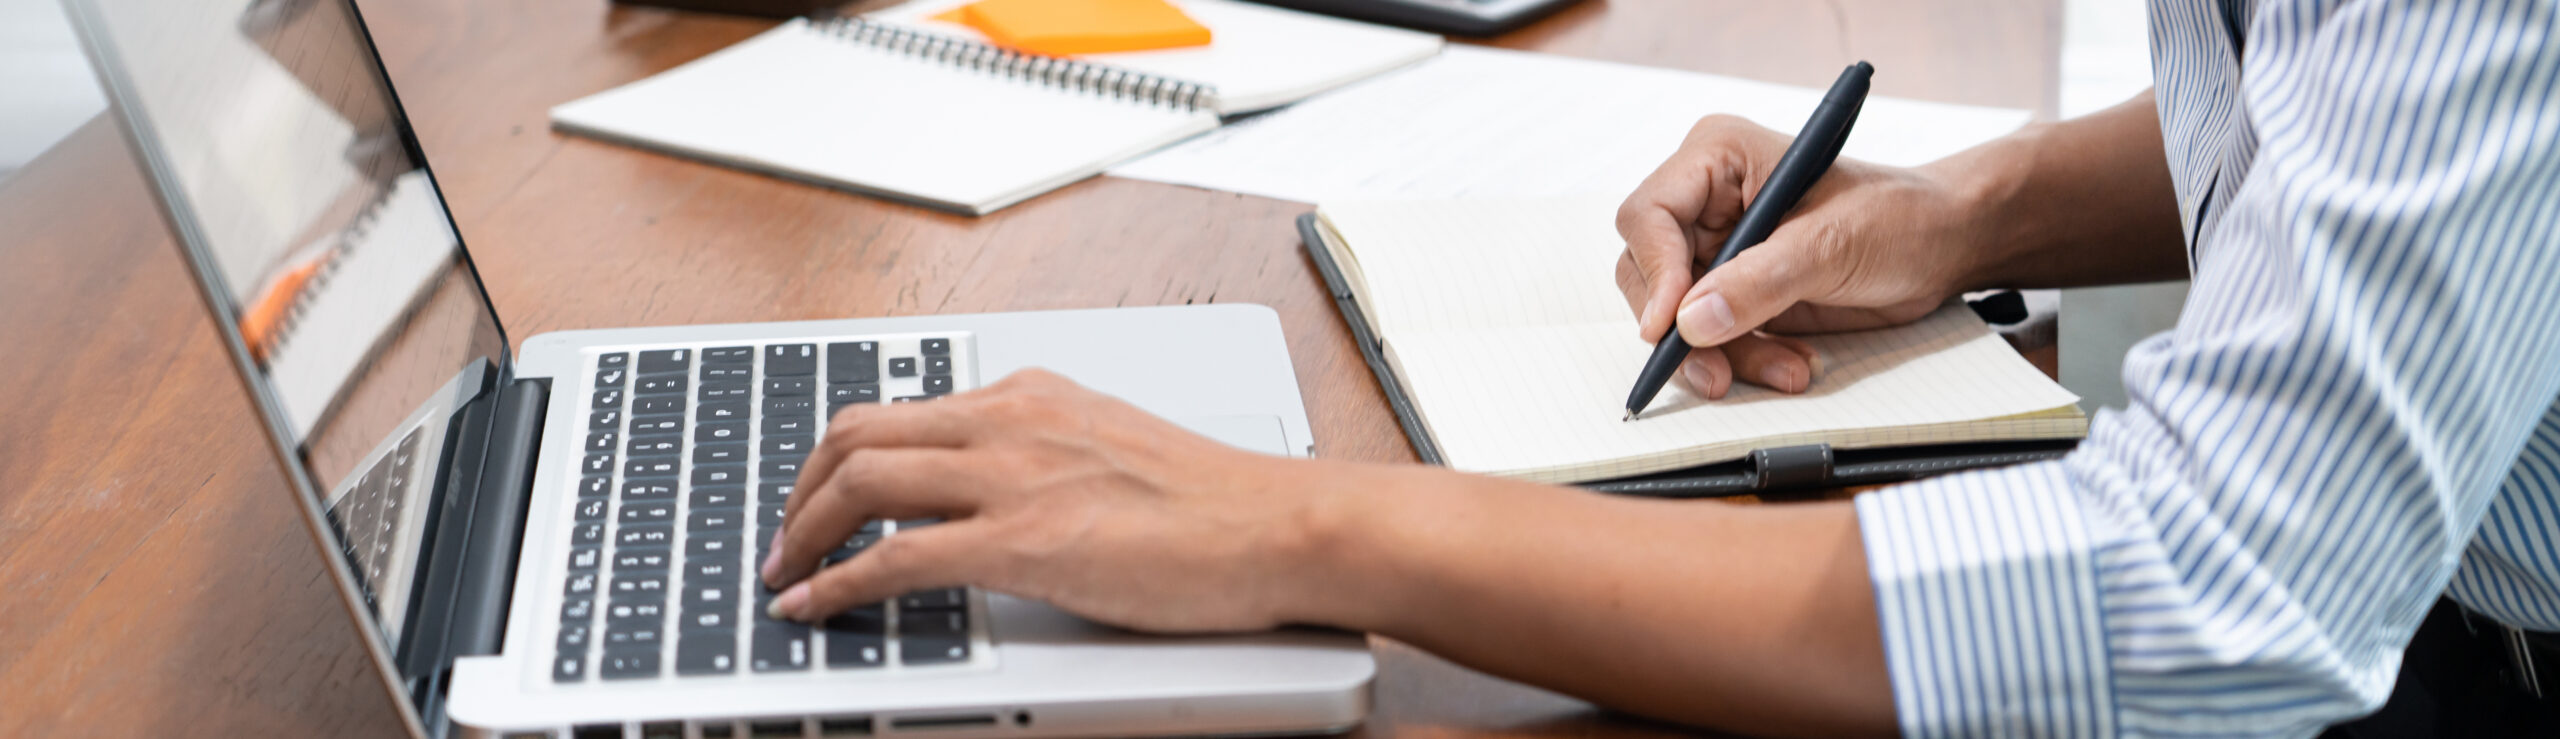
(1053,492)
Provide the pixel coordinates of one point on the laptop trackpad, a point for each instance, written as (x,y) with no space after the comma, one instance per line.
(1250,433)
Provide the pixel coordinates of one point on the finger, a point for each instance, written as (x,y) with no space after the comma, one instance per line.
(946,555)
(947,422)
(1698,186)
(1756,286)
(1707,372)
(870,484)
(1773,362)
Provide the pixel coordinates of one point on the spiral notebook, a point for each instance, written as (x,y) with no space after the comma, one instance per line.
(906,113)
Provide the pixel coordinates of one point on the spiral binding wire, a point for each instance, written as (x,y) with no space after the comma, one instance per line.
(1067,74)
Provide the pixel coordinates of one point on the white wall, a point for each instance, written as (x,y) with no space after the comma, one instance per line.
(46,89)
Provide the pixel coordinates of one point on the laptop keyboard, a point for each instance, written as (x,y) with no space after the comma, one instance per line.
(368,516)
(690,457)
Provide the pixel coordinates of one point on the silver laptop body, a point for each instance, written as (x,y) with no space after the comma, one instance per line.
(559,542)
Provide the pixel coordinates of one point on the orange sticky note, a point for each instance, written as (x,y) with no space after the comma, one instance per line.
(1069,27)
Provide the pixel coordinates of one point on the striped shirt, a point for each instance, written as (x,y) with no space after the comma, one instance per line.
(2355,413)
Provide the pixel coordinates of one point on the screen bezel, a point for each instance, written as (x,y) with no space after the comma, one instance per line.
(141,137)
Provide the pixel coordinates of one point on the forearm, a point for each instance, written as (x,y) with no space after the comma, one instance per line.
(1757,619)
(2086,201)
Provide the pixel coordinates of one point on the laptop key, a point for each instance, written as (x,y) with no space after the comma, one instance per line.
(778,647)
(597,464)
(660,385)
(612,376)
(618,359)
(569,669)
(790,405)
(646,490)
(726,391)
(792,425)
(930,650)
(724,545)
(902,367)
(628,663)
(937,384)
(729,355)
(608,398)
(853,361)
(791,360)
(790,386)
(578,609)
(711,571)
(937,347)
(654,445)
(643,559)
(660,404)
(714,432)
(657,425)
(769,516)
(937,366)
(574,638)
(716,619)
(719,497)
(639,585)
(633,636)
(651,467)
(731,474)
(781,468)
(587,534)
(715,519)
(606,418)
(648,513)
(581,585)
(774,493)
(788,446)
(856,649)
(585,558)
(591,509)
(644,535)
(707,653)
(634,612)
(664,361)
(730,453)
(725,410)
(710,596)
(850,394)
(740,374)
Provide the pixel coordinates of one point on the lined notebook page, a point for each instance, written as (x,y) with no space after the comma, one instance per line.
(1503,321)
(800,102)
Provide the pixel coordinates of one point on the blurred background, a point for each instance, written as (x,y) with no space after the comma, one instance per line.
(46,91)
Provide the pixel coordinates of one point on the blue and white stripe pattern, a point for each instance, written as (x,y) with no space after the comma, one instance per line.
(2355,414)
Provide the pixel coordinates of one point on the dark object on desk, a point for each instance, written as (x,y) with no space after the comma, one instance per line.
(2002,308)
(1454,17)
(1806,159)
(1763,471)
(761,8)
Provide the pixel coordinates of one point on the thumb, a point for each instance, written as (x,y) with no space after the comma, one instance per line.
(1756,286)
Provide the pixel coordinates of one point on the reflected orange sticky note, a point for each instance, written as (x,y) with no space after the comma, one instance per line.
(1069,27)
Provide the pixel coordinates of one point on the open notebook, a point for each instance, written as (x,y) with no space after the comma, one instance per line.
(907,109)
(1502,326)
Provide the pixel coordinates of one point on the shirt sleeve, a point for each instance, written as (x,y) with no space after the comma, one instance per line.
(2371,337)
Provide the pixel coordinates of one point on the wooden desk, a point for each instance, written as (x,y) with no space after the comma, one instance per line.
(154,581)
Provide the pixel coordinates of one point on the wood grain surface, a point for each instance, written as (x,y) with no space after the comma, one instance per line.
(154,579)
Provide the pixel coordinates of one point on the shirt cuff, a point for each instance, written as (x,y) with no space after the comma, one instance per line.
(1986,594)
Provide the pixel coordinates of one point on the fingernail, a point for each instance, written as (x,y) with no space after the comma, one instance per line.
(1699,379)
(788,606)
(1707,316)
(1785,376)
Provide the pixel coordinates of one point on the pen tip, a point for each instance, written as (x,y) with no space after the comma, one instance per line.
(1631,415)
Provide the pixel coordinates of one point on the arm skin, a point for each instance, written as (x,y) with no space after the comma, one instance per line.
(1750,618)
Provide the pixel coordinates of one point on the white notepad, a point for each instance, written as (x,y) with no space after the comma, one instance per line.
(1502,322)
(885,111)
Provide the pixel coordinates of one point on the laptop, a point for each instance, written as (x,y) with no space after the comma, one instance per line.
(558,540)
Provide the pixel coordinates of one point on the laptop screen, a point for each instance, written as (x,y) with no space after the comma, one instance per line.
(299,197)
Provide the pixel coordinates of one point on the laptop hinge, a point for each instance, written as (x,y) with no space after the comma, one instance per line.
(497,530)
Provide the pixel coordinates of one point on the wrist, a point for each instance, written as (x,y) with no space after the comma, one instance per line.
(1334,564)
(1988,186)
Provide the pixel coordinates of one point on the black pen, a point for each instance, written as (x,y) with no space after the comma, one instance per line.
(1811,155)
